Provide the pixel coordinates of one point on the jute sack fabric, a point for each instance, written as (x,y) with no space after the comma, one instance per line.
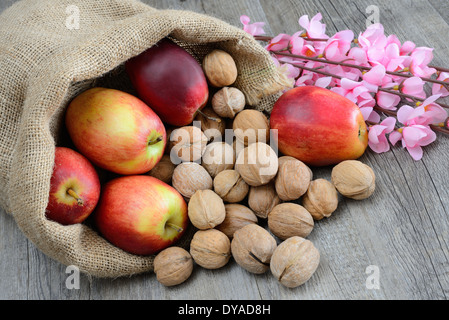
(45,61)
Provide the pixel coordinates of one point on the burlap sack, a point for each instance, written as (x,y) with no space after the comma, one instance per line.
(46,59)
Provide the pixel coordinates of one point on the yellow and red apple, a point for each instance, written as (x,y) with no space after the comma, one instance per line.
(74,188)
(116,131)
(318,126)
(141,214)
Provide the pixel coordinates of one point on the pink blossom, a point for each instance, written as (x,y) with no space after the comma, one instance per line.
(377,139)
(305,80)
(387,100)
(420,58)
(373,36)
(299,46)
(413,138)
(426,114)
(439,88)
(254,29)
(358,56)
(289,70)
(278,43)
(413,86)
(375,76)
(338,45)
(314,27)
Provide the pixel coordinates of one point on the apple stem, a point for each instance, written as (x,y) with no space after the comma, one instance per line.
(173,226)
(75,195)
(157,140)
(208,117)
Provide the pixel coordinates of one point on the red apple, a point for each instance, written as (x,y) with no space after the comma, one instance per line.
(116,131)
(74,188)
(170,81)
(318,126)
(141,214)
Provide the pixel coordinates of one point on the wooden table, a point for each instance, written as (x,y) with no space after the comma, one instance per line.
(400,234)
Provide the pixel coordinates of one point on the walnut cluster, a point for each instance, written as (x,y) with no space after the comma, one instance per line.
(245,201)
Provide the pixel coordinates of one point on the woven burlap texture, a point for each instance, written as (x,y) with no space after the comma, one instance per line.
(44,63)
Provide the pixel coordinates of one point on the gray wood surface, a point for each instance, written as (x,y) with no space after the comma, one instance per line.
(403,229)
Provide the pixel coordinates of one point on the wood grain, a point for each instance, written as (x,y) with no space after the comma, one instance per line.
(403,229)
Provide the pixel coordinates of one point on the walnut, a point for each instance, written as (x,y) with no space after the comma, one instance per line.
(228,101)
(163,169)
(321,199)
(188,177)
(206,209)
(263,199)
(230,186)
(294,261)
(220,68)
(257,164)
(354,179)
(251,126)
(252,247)
(210,249)
(290,219)
(237,216)
(173,266)
(188,143)
(293,178)
(212,125)
(217,157)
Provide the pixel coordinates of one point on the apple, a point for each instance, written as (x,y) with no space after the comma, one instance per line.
(170,81)
(141,214)
(318,126)
(74,188)
(116,131)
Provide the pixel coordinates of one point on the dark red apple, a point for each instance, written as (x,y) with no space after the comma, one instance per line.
(170,81)
(74,188)
(141,214)
(318,126)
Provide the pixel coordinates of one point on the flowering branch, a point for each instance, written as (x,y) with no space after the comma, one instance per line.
(375,71)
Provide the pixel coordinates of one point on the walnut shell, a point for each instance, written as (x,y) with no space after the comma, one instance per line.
(212,125)
(251,126)
(321,199)
(293,178)
(230,186)
(228,101)
(354,179)
(217,157)
(294,261)
(290,219)
(188,177)
(263,199)
(252,247)
(237,216)
(257,164)
(163,169)
(188,143)
(210,249)
(206,209)
(220,68)
(173,266)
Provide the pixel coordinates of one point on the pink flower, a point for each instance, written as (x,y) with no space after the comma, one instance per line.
(289,70)
(377,139)
(314,27)
(387,100)
(413,86)
(278,43)
(439,88)
(338,45)
(413,138)
(373,36)
(426,114)
(420,58)
(254,29)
